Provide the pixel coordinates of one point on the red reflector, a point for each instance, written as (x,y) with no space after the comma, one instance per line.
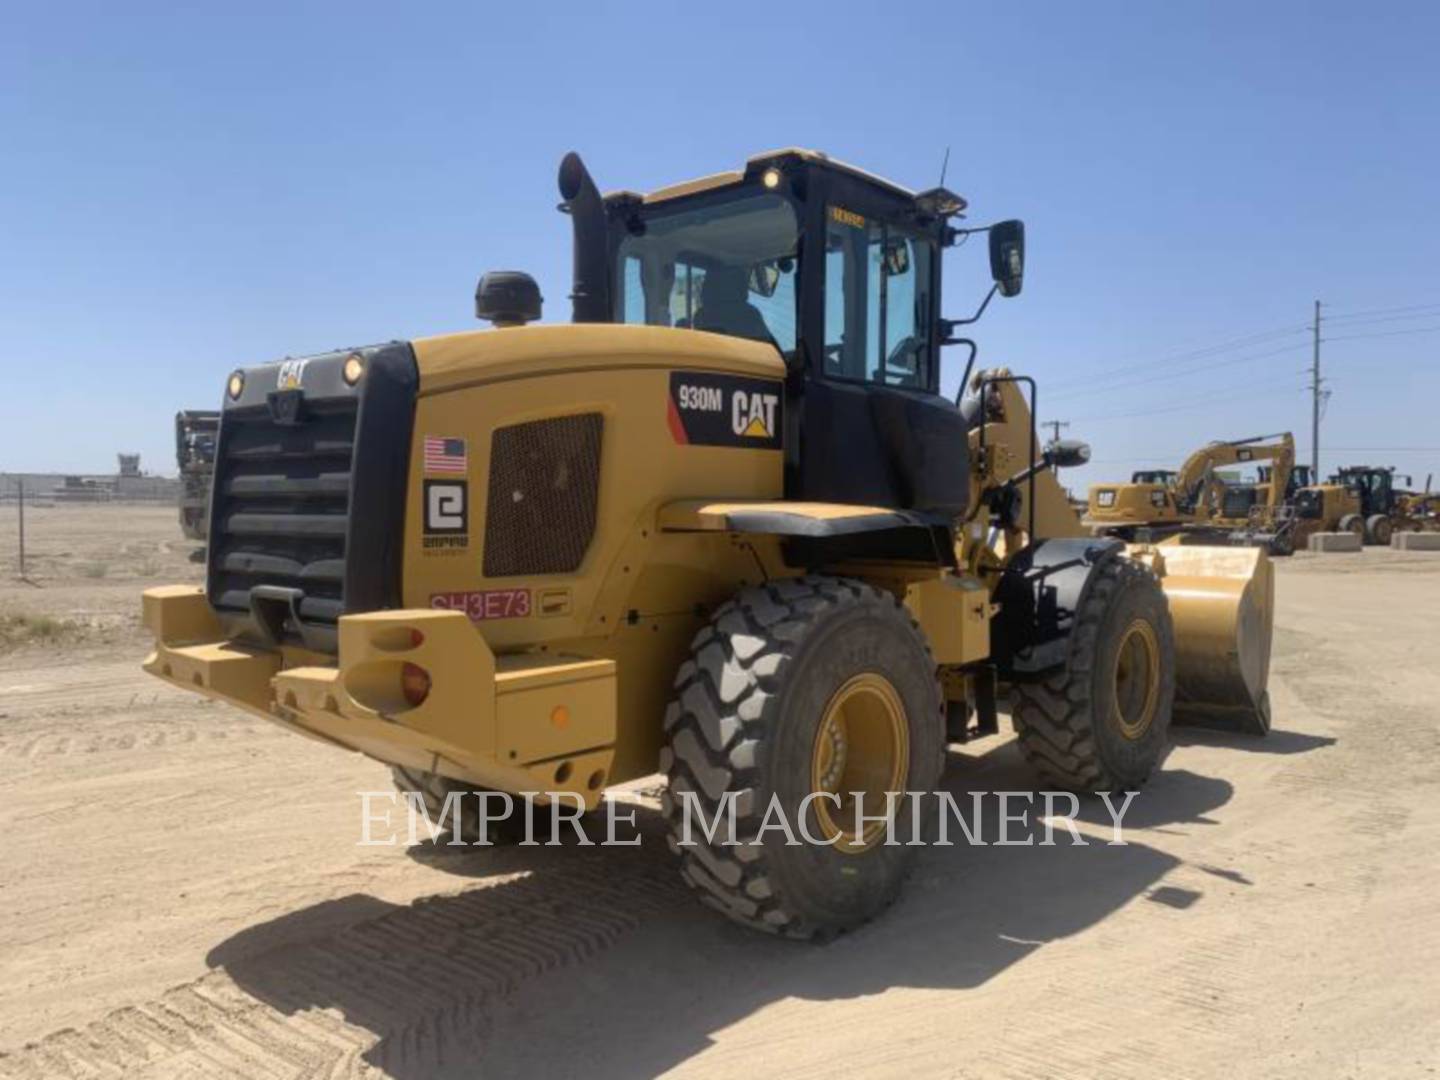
(414,684)
(416,638)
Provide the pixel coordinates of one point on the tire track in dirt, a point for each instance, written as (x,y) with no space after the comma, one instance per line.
(401,994)
(111,707)
(130,733)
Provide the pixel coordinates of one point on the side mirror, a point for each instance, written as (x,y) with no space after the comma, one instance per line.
(1067,453)
(764,279)
(1007,256)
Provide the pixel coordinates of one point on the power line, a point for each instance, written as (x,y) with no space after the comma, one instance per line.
(1193,354)
(1180,374)
(1230,394)
(1359,317)
(1179,455)
(1387,333)
(1350,321)
(1383,311)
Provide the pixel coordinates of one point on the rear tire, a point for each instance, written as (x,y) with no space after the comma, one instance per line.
(434,789)
(1102,723)
(1353,523)
(1378,530)
(798,686)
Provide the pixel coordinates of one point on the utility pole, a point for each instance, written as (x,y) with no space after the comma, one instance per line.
(1315,403)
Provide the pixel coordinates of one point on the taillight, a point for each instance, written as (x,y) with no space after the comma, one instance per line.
(414,684)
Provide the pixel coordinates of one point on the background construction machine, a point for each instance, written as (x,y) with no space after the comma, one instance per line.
(195,432)
(1362,499)
(724,525)
(1420,509)
(1196,504)
(1165,477)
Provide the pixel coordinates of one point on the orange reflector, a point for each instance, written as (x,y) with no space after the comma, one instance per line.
(414,684)
(560,717)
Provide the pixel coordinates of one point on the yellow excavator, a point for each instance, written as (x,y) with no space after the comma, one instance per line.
(1196,504)
(722,526)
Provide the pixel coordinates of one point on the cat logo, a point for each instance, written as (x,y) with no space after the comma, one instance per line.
(291,375)
(752,415)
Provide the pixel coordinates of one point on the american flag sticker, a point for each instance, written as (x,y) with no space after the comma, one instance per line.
(445,455)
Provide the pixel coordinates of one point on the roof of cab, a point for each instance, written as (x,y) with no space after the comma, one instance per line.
(735,176)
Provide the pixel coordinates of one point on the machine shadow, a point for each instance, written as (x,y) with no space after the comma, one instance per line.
(605,946)
(1276,742)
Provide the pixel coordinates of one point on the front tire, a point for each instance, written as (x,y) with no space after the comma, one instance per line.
(1353,523)
(1102,723)
(1378,530)
(817,684)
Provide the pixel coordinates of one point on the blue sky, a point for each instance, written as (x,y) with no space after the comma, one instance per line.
(184,191)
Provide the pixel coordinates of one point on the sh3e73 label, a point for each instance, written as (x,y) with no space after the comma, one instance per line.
(482,605)
(709,409)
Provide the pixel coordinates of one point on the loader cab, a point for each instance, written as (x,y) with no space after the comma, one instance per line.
(840,272)
(1299,479)
(1374,488)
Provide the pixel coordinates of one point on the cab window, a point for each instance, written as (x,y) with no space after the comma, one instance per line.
(729,268)
(878,287)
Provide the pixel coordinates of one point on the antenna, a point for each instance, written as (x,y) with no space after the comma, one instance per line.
(944,165)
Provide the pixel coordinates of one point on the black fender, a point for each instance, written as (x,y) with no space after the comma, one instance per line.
(1039,593)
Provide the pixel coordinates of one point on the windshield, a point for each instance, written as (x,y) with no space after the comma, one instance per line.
(1374,483)
(727,267)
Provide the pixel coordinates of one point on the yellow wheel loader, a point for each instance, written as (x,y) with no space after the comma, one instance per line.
(723,526)
(1197,505)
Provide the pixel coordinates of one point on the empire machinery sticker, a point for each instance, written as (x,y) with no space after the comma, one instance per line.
(486,604)
(707,409)
(447,516)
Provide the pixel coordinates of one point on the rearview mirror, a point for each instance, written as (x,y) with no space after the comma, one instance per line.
(764,279)
(897,258)
(1007,256)
(1067,453)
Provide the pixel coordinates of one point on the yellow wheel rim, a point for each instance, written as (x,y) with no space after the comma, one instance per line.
(1137,679)
(863,744)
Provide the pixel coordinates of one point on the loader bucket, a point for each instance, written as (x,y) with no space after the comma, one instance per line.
(1222,601)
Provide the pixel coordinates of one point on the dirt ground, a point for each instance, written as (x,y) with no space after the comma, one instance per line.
(184,895)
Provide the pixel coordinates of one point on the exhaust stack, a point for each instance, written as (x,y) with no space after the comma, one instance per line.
(590,294)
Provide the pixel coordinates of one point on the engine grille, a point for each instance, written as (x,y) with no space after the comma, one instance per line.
(308,507)
(283,504)
(543,490)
